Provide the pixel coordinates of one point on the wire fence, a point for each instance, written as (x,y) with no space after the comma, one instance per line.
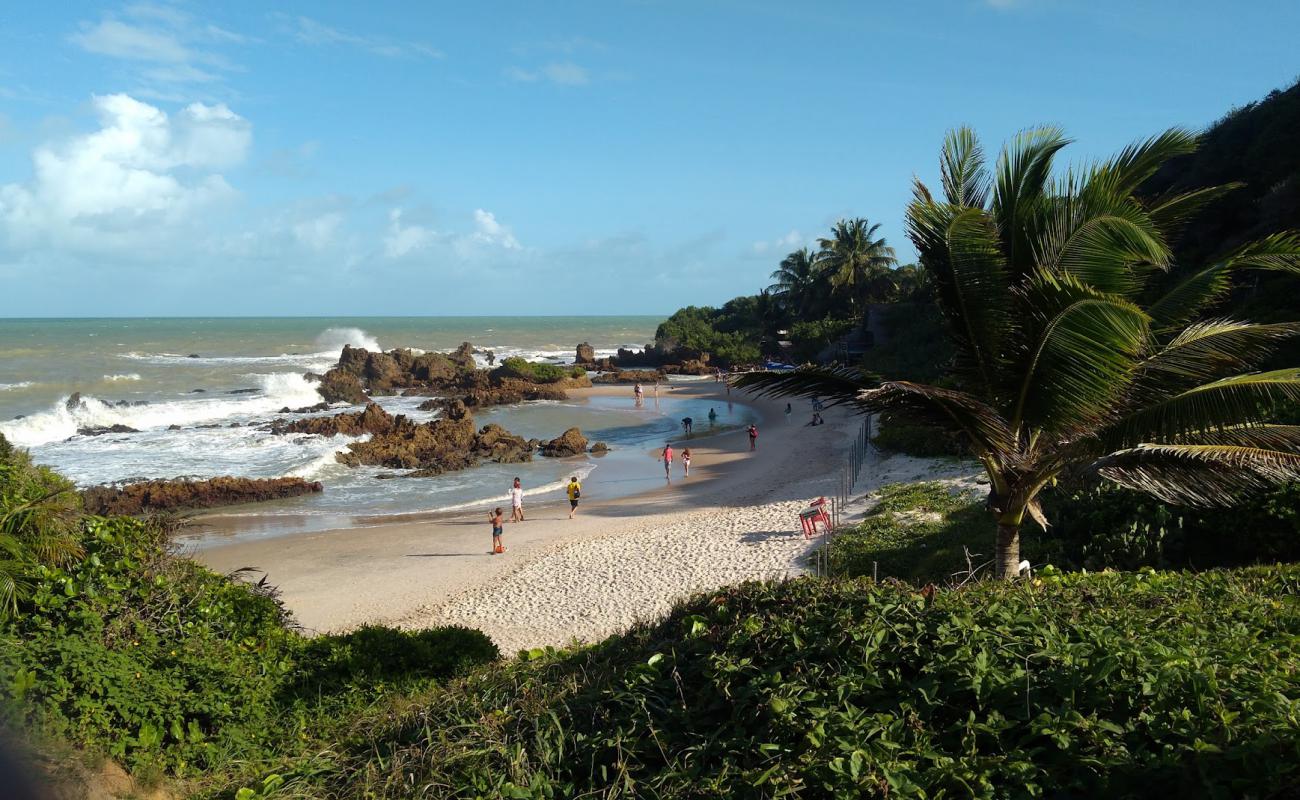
(850,474)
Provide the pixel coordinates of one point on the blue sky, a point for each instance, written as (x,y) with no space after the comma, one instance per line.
(539,158)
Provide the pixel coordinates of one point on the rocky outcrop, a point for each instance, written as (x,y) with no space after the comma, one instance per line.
(630,376)
(341,386)
(181,494)
(514,391)
(569,443)
(463,356)
(373,420)
(495,443)
(586,354)
(599,449)
(443,445)
(100,430)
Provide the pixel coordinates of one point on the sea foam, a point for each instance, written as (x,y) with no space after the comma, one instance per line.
(61,422)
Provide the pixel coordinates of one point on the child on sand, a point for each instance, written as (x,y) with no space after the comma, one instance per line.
(668,459)
(517,502)
(686,461)
(497,519)
(574,490)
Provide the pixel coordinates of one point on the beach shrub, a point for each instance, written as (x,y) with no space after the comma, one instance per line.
(894,435)
(810,337)
(149,659)
(536,372)
(1073,686)
(1096,526)
(700,329)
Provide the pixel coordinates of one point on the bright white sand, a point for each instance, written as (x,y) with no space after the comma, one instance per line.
(734,519)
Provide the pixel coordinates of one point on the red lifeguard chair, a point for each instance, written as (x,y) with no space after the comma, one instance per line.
(814,513)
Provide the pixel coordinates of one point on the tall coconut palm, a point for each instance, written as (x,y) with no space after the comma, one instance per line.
(1071,354)
(857,263)
(795,282)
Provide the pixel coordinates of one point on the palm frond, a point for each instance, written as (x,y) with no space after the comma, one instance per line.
(1023,169)
(948,409)
(961,169)
(1199,474)
(1128,169)
(1108,248)
(1267,437)
(834,385)
(1079,354)
(1170,212)
(1240,399)
(1206,351)
(1203,288)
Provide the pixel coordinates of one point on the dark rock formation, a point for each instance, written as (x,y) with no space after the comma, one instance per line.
(444,445)
(241,391)
(100,430)
(586,354)
(74,402)
(599,449)
(569,443)
(172,495)
(321,406)
(495,443)
(464,356)
(373,420)
(630,376)
(341,386)
(514,391)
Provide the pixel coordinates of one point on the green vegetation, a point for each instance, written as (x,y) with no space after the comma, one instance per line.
(1078,685)
(131,652)
(1070,354)
(537,372)
(731,335)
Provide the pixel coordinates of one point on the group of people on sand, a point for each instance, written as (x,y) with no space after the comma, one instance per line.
(497,518)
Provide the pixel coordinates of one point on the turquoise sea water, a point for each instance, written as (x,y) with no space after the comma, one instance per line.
(198,389)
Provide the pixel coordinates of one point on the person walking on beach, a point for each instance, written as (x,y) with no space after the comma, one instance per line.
(788,410)
(497,519)
(517,502)
(687,422)
(574,490)
(686,461)
(668,460)
(753,436)
(639,393)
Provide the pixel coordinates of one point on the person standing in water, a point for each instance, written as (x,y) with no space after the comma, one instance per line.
(639,393)
(713,416)
(753,436)
(497,519)
(687,422)
(517,502)
(668,460)
(574,491)
(686,461)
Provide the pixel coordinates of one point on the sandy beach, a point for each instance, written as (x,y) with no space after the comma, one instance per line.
(618,561)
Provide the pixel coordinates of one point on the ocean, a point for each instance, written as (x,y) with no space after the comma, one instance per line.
(197,390)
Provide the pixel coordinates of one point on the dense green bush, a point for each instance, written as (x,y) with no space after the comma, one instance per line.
(537,372)
(810,337)
(1117,685)
(697,328)
(150,659)
(1101,525)
(923,441)
(128,651)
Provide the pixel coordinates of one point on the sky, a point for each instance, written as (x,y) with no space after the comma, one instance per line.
(419,158)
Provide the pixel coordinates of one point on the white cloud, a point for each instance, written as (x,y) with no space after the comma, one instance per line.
(782,244)
(135,179)
(120,40)
(489,231)
(562,73)
(164,46)
(314,32)
(318,233)
(401,240)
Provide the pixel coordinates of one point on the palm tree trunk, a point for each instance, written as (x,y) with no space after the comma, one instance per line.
(1007,562)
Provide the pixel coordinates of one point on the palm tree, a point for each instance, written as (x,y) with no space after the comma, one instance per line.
(913,283)
(1071,354)
(795,281)
(856,263)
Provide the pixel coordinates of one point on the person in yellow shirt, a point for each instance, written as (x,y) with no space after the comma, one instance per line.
(575,491)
